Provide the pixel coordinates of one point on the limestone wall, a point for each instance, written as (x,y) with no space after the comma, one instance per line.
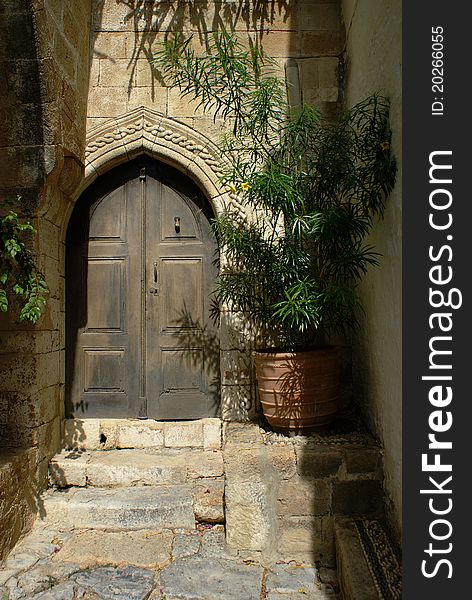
(373,32)
(44,67)
(124,38)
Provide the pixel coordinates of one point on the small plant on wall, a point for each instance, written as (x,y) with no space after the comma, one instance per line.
(19,273)
(313,187)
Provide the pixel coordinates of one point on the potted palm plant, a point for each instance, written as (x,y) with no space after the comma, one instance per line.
(313,188)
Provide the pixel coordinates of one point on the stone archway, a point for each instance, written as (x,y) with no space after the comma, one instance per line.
(143,131)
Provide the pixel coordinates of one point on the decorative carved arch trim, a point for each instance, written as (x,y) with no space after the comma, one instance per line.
(143,130)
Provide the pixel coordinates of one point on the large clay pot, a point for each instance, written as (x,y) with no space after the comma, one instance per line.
(298,390)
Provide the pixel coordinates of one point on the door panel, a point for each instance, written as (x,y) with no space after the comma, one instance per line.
(140,271)
(109,315)
(181,293)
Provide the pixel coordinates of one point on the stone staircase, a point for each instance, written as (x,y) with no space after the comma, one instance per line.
(100,483)
(202,512)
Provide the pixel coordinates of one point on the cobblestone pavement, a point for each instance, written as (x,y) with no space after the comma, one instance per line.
(50,564)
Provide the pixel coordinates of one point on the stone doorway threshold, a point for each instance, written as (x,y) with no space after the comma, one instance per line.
(192,510)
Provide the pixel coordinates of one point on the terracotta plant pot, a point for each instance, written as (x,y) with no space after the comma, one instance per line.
(298,390)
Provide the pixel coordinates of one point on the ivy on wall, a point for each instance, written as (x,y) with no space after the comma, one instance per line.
(19,274)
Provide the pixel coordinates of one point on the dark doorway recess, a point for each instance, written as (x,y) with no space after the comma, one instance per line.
(141,263)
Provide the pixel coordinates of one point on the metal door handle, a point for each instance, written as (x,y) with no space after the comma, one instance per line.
(155,272)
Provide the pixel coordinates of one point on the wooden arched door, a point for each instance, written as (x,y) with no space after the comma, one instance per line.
(140,269)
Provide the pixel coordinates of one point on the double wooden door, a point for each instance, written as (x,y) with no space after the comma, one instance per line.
(140,268)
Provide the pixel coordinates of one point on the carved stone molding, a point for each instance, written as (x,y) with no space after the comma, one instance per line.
(143,130)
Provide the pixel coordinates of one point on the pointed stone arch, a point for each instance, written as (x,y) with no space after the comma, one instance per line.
(142,130)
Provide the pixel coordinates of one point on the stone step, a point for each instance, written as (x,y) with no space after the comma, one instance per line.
(121,468)
(362,550)
(132,508)
(108,434)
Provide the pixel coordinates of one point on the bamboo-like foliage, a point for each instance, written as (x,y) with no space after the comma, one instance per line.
(316,185)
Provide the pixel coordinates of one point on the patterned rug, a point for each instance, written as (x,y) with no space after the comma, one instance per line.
(383,564)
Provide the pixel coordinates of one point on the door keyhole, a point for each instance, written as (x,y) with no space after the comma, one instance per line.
(177,224)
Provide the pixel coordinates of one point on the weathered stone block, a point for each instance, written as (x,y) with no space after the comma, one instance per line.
(323,43)
(317,16)
(250,499)
(107,102)
(179,106)
(17,491)
(236,367)
(140,434)
(363,460)
(183,435)
(237,403)
(283,459)
(304,497)
(146,75)
(361,497)
(152,98)
(116,72)
(121,468)
(306,538)
(205,464)
(280,43)
(131,508)
(211,433)
(353,571)
(317,461)
(245,434)
(82,434)
(208,501)
(113,45)
(67,469)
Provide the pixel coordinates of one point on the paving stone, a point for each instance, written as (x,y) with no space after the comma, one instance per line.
(150,549)
(285,578)
(213,544)
(63,591)
(186,545)
(5,575)
(20,562)
(213,579)
(42,577)
(130,583)
(123,508)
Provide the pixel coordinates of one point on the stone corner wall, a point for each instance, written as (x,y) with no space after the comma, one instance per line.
(44,66)
(373,61)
